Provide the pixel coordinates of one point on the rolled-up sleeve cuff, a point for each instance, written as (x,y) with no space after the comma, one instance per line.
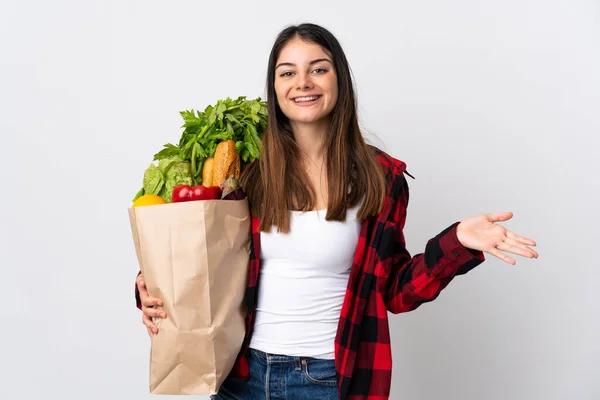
(458,259)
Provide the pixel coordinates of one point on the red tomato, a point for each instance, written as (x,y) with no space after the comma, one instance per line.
(206,193)
(181,193)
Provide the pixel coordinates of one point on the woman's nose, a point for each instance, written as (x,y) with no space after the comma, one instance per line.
(304,81)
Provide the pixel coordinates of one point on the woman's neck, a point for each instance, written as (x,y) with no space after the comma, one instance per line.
(310,139)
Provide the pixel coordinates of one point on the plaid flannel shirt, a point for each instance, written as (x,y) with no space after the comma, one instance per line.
(384,278)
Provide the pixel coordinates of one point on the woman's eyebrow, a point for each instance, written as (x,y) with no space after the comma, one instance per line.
(290,64)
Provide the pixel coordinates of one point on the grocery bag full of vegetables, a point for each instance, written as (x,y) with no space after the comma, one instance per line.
(190,223)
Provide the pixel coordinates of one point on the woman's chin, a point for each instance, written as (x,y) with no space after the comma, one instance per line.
(308,119)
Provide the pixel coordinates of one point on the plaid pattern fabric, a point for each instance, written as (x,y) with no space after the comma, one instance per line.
(384,278)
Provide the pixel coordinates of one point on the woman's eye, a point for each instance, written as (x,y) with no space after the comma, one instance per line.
(285,74)
(320,70)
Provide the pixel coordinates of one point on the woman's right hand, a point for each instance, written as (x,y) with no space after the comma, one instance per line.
(149,305)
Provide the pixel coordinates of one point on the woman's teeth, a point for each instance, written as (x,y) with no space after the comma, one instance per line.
(303,99)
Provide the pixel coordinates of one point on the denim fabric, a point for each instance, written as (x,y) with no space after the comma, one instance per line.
(277,377)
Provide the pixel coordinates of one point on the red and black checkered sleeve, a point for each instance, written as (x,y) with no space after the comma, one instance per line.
(241,368)
(414,280)
(138,300)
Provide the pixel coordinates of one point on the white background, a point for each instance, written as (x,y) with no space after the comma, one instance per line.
(493,105)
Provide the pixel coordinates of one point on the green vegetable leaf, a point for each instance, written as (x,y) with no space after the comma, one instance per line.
(220,110)
(177,173)
(212,117)
(255,107)
(200,151)
(252,150)
(153,180)
(245,155)
(138,195)
(169,150)
(165,164)
(239,145)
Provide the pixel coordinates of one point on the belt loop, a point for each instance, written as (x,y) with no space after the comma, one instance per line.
(297,363)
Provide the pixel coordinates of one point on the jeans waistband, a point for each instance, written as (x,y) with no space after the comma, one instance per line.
(268,359)
(272,358)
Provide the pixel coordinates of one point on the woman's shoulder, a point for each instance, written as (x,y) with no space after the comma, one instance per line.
(390,164)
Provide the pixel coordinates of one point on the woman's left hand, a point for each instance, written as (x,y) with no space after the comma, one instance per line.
(481,232)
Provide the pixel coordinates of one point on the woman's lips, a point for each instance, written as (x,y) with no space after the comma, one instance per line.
(305,102)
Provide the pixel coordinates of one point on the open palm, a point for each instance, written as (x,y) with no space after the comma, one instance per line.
(481,232)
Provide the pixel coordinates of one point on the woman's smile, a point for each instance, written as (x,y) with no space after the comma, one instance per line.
(306,101)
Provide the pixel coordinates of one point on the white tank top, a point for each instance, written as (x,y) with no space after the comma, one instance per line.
(303,280)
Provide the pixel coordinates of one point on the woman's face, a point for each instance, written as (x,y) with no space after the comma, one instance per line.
(305,82)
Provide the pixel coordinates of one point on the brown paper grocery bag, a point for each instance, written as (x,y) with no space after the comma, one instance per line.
(194,256)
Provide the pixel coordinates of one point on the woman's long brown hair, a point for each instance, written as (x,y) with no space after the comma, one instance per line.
(276,183)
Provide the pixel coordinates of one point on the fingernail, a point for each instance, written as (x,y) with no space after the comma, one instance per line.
(160,303)
(164,315)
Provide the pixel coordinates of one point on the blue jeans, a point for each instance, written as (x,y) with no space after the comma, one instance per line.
(277,377)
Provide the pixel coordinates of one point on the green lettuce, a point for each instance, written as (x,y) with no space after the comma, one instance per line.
(175,172)
(162,179)
(153,180)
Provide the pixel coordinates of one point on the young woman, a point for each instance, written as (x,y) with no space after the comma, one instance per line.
(328,249)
